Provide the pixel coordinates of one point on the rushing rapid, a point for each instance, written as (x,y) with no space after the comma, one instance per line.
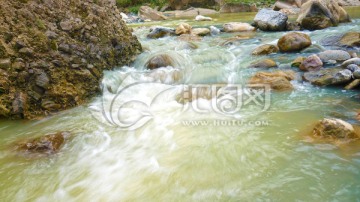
(156,149)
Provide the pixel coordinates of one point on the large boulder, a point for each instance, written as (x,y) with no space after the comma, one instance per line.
(311,63)
(147,13)
(329,76)
(238,27)
(337,55)
(294,41)
(278,81)
(269,20)
(58,52)
(320,14)
(265,49)
(238,7)
(334,129)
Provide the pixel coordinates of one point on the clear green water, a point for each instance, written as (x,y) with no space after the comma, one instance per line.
(167,160)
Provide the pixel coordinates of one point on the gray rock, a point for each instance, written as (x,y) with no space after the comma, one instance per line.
(356,74)
(160,32)
(329,76)
(353,67)
(42,80)
(355,61)
(214,31)
(338,55)
(269,20)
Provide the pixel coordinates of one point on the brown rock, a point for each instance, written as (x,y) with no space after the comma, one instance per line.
(266,63)
(238,7)
(353,84)
(320,14)
(47,144)
(294,41)
(183,28)
(145,12)
(265,49)
(158,61)
(278,81)
(200,31)
(297,62)
(5,63)
(334,129)
(351,39)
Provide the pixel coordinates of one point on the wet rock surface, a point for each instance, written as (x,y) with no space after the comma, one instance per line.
(158,61)
(334,129)
(294,41)
(265,49)
(311,63)
(47,144)
(320,14)
(55,52)
(329,76)
(269,20)
(278,81)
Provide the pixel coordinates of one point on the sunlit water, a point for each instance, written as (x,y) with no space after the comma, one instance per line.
(172,159)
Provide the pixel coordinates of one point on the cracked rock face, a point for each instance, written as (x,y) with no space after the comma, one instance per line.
(52,53)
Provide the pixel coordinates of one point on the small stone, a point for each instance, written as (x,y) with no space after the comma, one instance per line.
(353,84)
(202,18)
(200,31)
(266,63)
(337,55)
(265,49)
(238,27)
(297,62)
(311,63)
(355,61)
(5,63)
(214,31)
(353,67)
(183,28)
(26,52)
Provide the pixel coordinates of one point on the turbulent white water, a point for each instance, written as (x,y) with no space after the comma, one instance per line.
(184,155)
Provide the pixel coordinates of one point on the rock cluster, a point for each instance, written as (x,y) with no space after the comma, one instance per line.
(52,53)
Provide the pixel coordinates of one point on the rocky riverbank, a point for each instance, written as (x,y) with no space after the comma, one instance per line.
(53,53)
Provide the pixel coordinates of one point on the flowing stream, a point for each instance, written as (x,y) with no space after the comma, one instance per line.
(178,154)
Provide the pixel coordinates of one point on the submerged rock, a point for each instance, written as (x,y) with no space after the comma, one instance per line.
(160,32)
(329,76)
(294,41)
(334,129)
(320,14)
(298,61)
(238,27)
(266,63)
(265,49)
(47,144)
(311,63)
(353,84)
(158,61)
(338,55)
(278,81)
(147,13)
(270,20)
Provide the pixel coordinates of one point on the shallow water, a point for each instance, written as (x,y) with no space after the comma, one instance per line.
(265,157)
